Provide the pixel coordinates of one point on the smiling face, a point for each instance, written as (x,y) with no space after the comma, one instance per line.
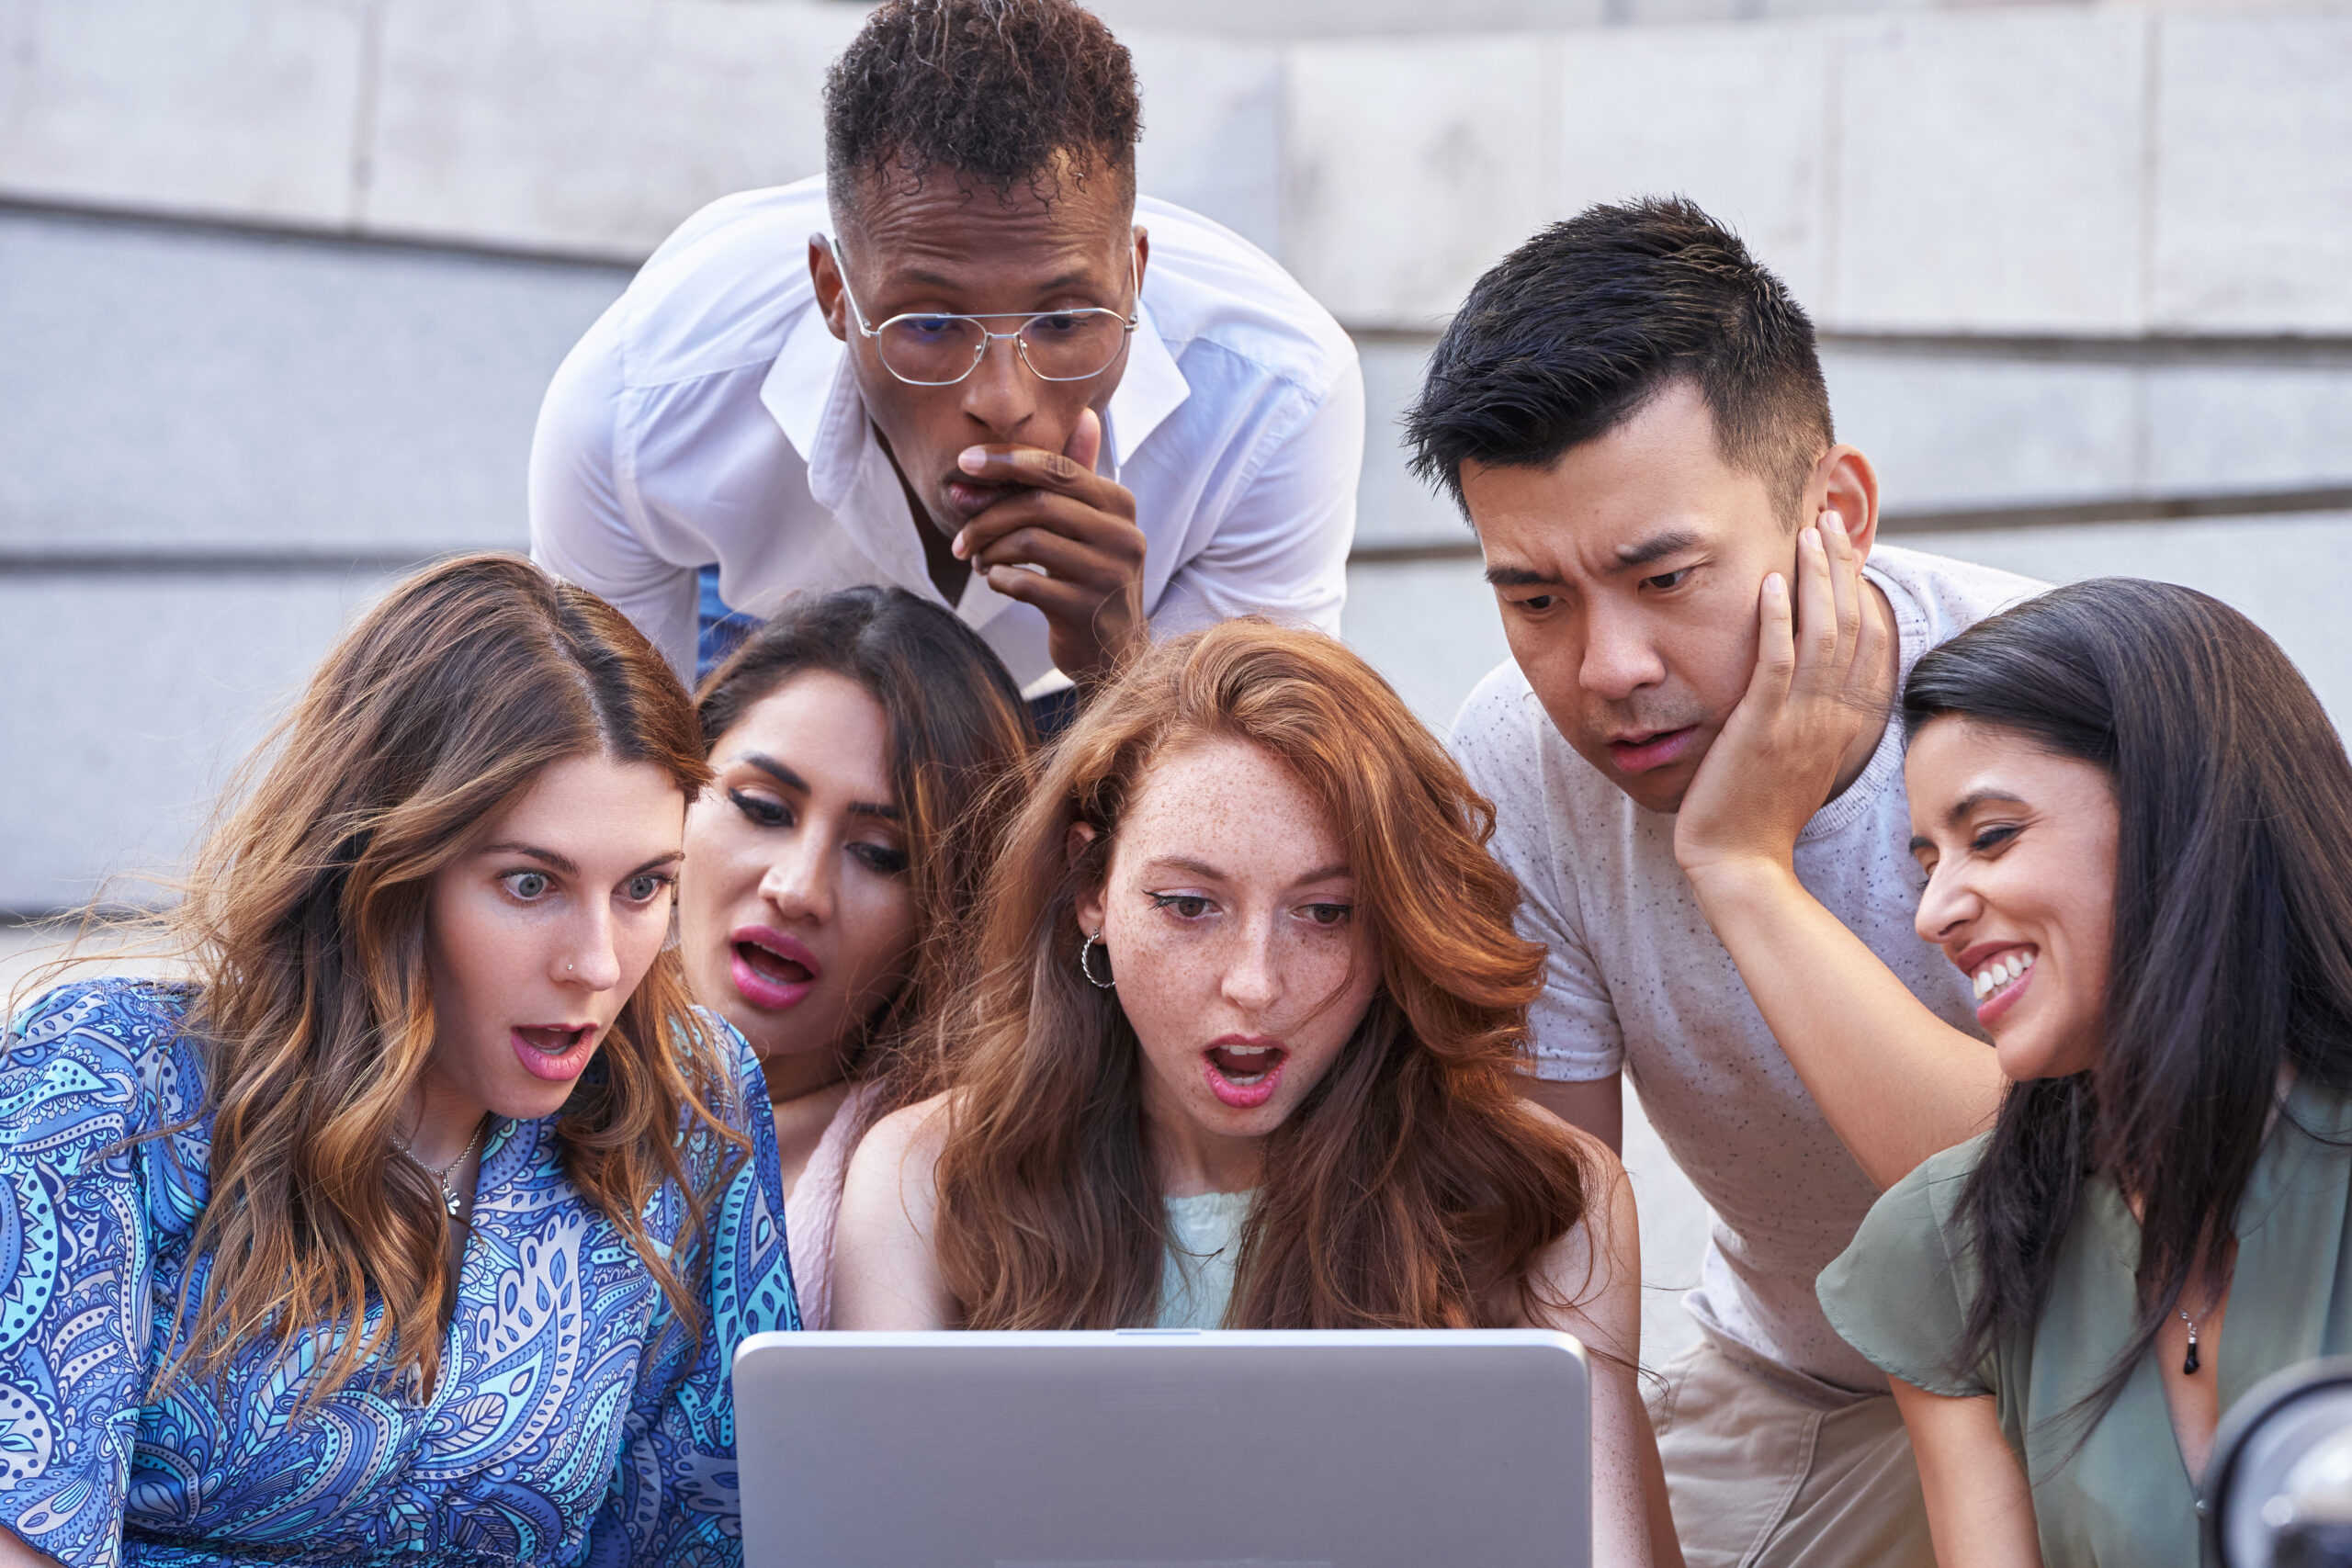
(937,247)
(1228,914)
(1627,575)
(538,934)
(796,912)
(2018,844)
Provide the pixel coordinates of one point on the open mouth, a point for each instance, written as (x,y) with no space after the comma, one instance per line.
(1243,1074)
(557,1052)
(2000,980)
(770,968)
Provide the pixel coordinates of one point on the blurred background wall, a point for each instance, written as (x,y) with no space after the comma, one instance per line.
(281,282)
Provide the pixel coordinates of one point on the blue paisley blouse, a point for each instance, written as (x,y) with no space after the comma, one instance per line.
(574,1420)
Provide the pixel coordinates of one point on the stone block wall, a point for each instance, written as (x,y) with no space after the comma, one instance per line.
(281,282)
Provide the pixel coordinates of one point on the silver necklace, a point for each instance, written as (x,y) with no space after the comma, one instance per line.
(449,1196)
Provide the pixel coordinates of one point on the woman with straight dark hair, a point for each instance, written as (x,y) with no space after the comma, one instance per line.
(857,740)
(2136,823)
(422,1226)
(1243,1053)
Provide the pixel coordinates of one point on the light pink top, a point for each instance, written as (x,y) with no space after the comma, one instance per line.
(814,1206)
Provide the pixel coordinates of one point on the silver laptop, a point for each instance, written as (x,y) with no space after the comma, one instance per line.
(1164,1448)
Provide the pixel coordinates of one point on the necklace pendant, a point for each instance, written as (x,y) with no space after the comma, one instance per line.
(2188,1364)
(450,1199)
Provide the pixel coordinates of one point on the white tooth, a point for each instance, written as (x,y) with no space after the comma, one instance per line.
(2005,968)
(1983,984)
(2026,961)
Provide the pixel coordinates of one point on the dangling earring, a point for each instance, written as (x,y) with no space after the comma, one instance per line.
(1085,968)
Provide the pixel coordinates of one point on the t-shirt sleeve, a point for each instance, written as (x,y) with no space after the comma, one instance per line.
(675,1500)
(1574,1023)
(1895,1295)
(76,1267)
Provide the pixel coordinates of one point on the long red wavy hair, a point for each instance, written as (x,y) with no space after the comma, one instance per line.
(1412,1189)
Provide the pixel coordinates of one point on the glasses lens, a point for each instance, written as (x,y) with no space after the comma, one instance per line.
(1069,345)
(930,350)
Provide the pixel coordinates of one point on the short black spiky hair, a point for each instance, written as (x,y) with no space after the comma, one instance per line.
(1574,331)
(1004,92)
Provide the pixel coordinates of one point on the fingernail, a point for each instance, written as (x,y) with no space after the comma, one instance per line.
(956,547)
(1775,586)
(1831,520)
(972,460)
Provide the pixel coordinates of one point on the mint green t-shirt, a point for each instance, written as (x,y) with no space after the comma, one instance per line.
(1900,1295)
(1204,1245)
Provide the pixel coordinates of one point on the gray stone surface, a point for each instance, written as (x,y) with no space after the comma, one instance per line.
(1990,170)
(128,700)
(591,125)
(1409,170)
(1213,128)
(1732,117)
(2253,225)
(170,388)
(243,107)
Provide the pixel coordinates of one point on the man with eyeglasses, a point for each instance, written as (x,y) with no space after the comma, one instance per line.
(1000,380)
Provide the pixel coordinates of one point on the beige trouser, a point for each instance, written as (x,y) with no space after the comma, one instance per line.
(1762,1476)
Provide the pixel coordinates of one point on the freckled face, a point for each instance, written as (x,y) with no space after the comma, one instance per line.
(2019,845)
(537,935)
(1228,919)
(796,913)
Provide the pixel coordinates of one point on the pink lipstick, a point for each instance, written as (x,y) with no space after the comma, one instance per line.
(771,969)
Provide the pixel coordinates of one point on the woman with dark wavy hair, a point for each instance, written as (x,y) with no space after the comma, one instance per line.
(424,1224)
(858,740)
(1242,1053)
(2134,819)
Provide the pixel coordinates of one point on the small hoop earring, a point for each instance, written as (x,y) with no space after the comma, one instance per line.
(1087,969)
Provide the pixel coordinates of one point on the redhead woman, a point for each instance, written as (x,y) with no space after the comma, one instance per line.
(1242,1054)
(855,738)
(423,1225)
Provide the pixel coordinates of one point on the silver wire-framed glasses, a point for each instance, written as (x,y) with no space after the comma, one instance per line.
(931,348)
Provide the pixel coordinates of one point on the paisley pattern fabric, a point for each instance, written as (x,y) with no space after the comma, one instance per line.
(575,1420)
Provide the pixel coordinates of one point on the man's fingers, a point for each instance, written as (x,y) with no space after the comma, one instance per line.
(1816,614)
(1039,510)
(1085,442)
(1057,471)
(1063,602)
(1776,653)
(1845,584)
(1070,559)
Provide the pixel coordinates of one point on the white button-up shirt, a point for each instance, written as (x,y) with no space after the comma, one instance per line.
(710,416)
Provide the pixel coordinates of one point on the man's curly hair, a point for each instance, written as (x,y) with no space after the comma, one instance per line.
(1007,94)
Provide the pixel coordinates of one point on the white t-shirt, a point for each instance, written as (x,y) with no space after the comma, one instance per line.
(1636,980)
(710,416)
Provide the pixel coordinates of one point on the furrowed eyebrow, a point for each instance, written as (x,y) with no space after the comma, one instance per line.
(1518,577)
(657,861)
(874,808)
(1656,547)
(1196,867)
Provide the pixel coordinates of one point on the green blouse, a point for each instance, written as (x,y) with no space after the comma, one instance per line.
(1899,1295)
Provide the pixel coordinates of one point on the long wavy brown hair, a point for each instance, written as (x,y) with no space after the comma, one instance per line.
(1411,1189)
(303,921)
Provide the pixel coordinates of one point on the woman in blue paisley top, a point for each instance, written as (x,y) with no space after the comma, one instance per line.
(423,1224)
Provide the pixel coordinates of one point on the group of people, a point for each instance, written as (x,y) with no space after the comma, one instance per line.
(1035,917)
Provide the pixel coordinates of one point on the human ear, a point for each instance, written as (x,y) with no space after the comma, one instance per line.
(1844,482)
(825,271)
(1088,905)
